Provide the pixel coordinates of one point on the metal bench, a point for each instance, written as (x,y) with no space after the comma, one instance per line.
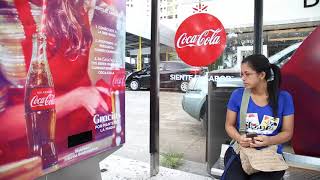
(300,167)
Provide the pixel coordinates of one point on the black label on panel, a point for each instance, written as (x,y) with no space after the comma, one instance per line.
(81,138)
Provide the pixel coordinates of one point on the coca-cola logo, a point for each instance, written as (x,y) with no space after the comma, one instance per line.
(200,39)
(119,80)
(42,99)
(207,37)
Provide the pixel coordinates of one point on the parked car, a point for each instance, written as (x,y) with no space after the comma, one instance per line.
(129,68)
(173,74)
(139,79)
(284,55)
(194,101)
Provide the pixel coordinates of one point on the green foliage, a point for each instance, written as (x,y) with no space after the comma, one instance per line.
(171,160)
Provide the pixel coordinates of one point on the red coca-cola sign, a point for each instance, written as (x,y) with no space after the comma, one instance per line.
(200,39)
(42,99)
(119,79)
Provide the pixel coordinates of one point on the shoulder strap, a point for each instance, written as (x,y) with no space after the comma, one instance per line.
(243,110)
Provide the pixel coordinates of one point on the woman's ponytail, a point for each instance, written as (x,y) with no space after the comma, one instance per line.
(274,81)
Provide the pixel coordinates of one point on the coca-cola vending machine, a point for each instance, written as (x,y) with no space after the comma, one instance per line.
(62,83)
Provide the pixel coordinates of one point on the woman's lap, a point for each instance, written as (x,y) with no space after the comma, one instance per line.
(235,171)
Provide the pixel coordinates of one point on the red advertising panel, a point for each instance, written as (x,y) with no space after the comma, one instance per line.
(62,86)
(300,79)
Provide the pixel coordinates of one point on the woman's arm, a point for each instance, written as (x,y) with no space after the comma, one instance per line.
(231,124)
(284,136)
(13,123)
(87,97)
(230,127)
(286,132)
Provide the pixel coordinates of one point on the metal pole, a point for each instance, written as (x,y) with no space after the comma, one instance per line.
(154,91)
(167,57)
(258,22)
(139,66)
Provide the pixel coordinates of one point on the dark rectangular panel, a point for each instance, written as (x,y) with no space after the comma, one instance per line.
(81,138)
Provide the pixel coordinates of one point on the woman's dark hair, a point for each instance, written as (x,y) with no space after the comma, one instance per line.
(67,20)
(260,63)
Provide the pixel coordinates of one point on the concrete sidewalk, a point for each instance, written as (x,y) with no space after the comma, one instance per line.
(120,168)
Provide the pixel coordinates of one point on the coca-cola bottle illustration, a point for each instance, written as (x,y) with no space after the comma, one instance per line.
(39,101)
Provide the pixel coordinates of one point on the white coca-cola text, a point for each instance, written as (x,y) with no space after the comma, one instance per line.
(207,37)
(42,101)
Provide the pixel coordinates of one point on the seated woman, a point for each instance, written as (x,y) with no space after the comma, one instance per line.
(270,115)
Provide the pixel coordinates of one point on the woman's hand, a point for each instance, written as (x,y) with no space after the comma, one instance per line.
(244,141)
(91,99)
(260,141)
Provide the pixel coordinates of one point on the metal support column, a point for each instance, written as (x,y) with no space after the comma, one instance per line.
(139,58)
(258,22)
(154,91)
(167,56)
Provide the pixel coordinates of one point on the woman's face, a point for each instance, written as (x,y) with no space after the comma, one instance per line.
(250,77)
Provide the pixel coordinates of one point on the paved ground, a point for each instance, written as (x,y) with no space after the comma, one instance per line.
(133,169)
(137,126)
(179,132)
